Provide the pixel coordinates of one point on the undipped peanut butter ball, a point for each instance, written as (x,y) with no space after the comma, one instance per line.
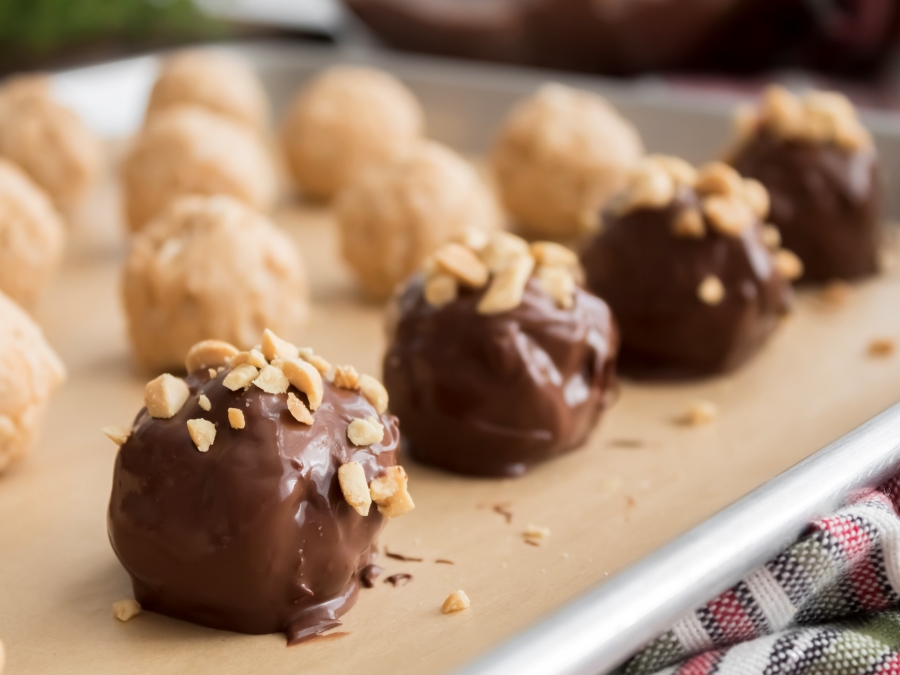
(221,82)
(560,156)
(31,236)
(209,268)
(394,215)
(346,119)
(47,140)
(188,150)
(29,373)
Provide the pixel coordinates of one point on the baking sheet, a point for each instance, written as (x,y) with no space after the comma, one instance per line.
(641,480)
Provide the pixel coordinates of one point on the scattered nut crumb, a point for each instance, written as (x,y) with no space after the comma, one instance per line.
(455,602)
(374,392)
(209,354)
(124,610)
(536,533)
(836,293)
(711,291)
(203,402)
(274,347)
(165,396)
(390,492)
(365,432)
(298,410)
(699,413)
(352,478)
(882,347)
(117,435)
(346,377)
(240,377)
(203,433)
(236,418)
(306,378)
(272,380)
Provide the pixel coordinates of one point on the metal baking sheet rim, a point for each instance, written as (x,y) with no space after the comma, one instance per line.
(605,626)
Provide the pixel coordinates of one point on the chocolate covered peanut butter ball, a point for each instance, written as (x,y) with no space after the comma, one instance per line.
(498,359)
(249,495)
(822,172)
(695,279)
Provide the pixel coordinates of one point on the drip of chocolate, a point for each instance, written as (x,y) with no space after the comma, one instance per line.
(254,535)
(492,395)
(826,201)
(650,278)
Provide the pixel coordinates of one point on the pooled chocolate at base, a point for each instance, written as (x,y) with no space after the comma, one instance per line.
(254,535)
(492,395)
(825,201)
(650,279)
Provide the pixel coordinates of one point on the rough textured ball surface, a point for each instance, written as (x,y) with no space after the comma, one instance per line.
(188,150)
(209,268)
(29,373)
(219,81)
(394,215)
(345,120)
(31,236)
(560,155)
(47,140)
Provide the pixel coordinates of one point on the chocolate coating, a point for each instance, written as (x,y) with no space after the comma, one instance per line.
(492,395)
(254,535)
(650,279)
(826,201)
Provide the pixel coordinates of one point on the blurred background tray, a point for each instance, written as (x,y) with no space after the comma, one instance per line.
(641,480)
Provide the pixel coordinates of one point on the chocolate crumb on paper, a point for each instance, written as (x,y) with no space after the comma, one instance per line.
(399,579)
(503,510)
(400,556)
(882,347)
(444,561)
(368,575)
(626,443)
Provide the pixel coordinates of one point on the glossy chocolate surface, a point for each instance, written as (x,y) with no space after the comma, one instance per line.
(254,535)
(493,395)
(649,277)
(826,202)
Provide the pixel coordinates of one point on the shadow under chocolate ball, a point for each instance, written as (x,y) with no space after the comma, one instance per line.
(253,535)
(826,202)
(492,395)
(650,278)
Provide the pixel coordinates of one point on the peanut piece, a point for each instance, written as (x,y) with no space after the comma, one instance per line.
(353,484)
(462,264)
(374,392)
(209,354)
(165,396)
(299,411)
(455,602)
(756,195)
(440,290)
(553,255)
(700,413)
(240,377)
(272,380)
(390,492)
(317,362)
(203,433)
(788,265)
(503,249)
(689,223)
(680,170)
(117,435)
(124,610)
(365,432)
(717,178)
(729,215)
(203,402)
(274,347)
(346,377)
(254,357)
(236,418)
(771,237)
(559,284)
(305,378)
(507,288)
(711,291)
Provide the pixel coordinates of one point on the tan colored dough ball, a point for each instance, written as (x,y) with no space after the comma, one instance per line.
(219,81)
(30,371)
(210,268)
(188,150)
(47,140)
(345,120)
(31,236)
(560,155)
(396,214)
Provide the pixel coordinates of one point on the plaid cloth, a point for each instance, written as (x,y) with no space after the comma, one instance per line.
(829,604)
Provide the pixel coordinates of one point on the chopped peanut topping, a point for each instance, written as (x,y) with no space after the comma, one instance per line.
(559,284)
(553,255)
(254,357)
(240,377)
(651,187)
(117,435)
(680,170)
(503,249)
(881,347)
(756,195)
(700,413)
(124,610)
(272,380)
(346,377)
(689,223)
(317,362)
(353,484)
(390,492)
(203,402)
(374,392)
(304,376)
(717,178)
(274,347)
(236,418)
(462,264)
(729,215)
(209,354)
(711,291)
(440,290)
(455,602)
(165,396)
(507,287)
(771,237)
(788,265)
(299,411)
(212,373)
(203,433)
(365,432)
